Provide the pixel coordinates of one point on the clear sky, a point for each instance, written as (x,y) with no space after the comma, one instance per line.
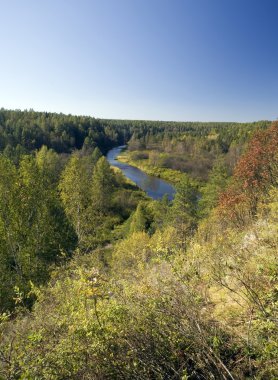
(141,59)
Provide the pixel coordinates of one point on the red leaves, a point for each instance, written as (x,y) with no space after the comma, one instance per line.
(255,172)
(234,205)
(256,168)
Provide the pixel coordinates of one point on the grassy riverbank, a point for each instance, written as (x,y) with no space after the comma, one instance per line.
(169,175)
(126,180)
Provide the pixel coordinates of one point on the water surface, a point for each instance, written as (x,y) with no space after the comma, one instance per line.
(153,186)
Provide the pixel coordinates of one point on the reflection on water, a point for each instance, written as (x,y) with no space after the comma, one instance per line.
(153,186)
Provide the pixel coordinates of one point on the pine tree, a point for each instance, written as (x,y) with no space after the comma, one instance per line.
(96,155)
(138,220)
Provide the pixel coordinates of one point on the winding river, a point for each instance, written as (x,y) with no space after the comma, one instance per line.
(153,186)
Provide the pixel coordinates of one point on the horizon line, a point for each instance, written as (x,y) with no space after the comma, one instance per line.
(134,119)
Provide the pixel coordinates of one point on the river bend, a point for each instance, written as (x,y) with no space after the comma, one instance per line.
(153,186)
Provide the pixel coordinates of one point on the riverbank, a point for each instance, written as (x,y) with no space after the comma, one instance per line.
(169,175)
(128,181)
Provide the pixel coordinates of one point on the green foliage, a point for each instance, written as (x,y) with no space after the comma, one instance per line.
(26,131)
(189,147)
(75,186)
(183,213)
(158,211)
(138,220)
(210,193)
(172,298)
(33,227)
(166,149)
(49,164)
(170,175)
(131,253)
(102,187)
(96,155)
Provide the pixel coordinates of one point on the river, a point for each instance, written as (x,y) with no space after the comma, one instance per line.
(153,186)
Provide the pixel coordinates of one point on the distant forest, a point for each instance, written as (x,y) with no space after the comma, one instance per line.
(22,132)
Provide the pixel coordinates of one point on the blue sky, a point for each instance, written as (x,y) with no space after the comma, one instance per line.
(141,59)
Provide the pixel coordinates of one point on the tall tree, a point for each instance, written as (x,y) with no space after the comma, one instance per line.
(96,155)
(49,163)
(75,193)
(138,220)
(183,213)
(102,187)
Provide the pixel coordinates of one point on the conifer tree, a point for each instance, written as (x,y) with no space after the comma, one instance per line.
(96,155)
(138,220)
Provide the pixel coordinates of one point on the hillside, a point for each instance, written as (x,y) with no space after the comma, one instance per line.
(97,281)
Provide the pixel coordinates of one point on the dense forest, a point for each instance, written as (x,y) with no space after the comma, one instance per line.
(22,132)
(98,281)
